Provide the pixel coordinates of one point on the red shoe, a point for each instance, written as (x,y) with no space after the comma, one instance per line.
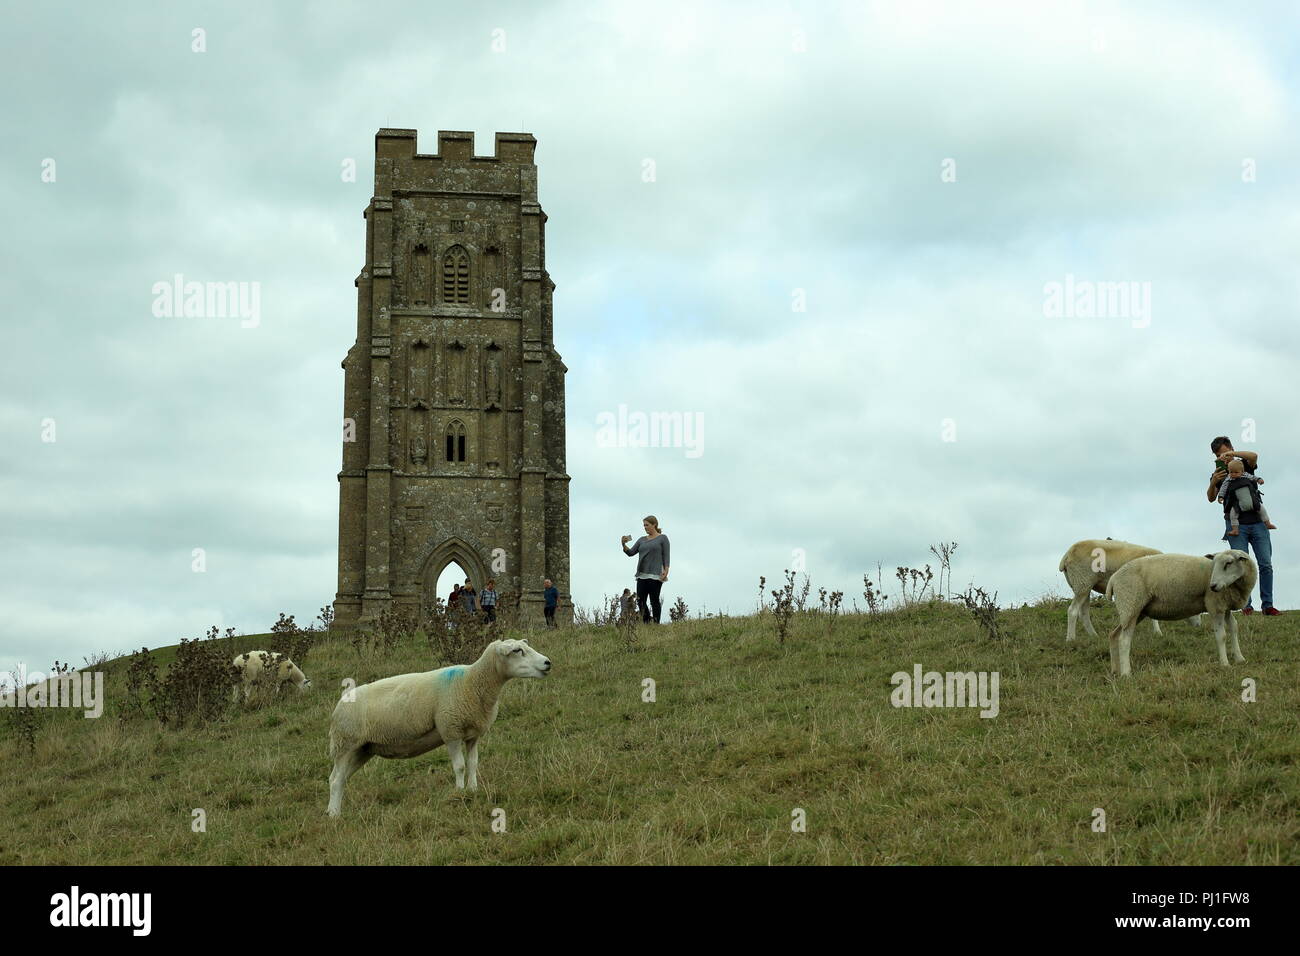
(1271,611)
(1247,610)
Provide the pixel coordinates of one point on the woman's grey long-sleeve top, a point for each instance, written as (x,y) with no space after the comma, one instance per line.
(653,555)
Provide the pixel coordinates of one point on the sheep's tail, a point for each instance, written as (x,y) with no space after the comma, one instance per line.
(1110,587)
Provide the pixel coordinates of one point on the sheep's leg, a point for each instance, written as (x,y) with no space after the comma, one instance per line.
(1125,643)
(1072,618)
(1114,649)
(1079,611)
(1155,628)
(471,763)
(1218,639)
(457,750)
(1194,620)
(1236,648)
(1085,612)
(345,765)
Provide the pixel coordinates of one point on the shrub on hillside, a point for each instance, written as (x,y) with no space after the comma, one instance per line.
(141,685)
(197,687)
(874,593)
(291,641)
(984,608)
(25,722)
(783,606)
(457,636)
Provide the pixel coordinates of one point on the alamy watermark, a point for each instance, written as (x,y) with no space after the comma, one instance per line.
(75,908)
(1085,299)
(208,300)
(79,690)
(923,688)
(626,429)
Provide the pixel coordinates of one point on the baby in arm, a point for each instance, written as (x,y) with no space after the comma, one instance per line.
(1237,470)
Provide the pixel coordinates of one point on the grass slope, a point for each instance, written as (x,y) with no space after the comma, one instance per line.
(742,733)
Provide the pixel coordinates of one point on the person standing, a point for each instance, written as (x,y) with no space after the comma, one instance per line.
(651,565)
(489,601)
(552,596)
(468,594)
(1253,534)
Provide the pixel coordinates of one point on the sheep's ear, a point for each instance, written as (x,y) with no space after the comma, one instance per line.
(1210,556)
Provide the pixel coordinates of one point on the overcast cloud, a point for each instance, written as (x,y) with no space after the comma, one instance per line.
(798,151)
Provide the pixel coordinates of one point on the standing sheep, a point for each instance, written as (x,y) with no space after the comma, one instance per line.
(1167,587)
(411,714)
(251,665)
(1088,566)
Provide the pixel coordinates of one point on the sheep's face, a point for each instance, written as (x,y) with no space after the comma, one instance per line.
(519,660)
(290,673)
(1229,567)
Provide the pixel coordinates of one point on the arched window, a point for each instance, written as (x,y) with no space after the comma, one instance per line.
(456,441)
(455,275)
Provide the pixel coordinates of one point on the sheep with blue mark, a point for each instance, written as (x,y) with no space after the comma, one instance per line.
(411,714)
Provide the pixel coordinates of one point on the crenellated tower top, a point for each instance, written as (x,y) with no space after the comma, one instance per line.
(457,146)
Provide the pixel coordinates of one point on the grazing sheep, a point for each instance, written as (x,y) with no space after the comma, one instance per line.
(1172,586)
(251,665)
(1088,566)
(411,714)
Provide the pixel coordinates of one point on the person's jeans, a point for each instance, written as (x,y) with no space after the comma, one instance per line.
(1256,536)
(646,588)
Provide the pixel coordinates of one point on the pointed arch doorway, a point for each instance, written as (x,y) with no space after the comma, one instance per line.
(448,578)
(458,555)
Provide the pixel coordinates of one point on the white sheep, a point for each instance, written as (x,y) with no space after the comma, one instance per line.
(1088,566)
(1167,587)
(252,664)
(411,714)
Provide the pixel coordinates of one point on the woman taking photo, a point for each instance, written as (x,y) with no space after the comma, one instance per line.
(651,565)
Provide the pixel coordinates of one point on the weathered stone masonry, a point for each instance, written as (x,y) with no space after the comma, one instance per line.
(454,384)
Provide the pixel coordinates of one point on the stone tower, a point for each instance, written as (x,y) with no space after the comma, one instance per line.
(453,392)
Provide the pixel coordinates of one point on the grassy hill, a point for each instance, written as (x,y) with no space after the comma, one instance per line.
(743,731)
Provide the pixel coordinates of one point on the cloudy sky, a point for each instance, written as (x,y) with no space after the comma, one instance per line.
(843,264)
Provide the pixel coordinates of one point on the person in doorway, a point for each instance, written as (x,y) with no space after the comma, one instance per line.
(488,599)
(551,594)
(651,566)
